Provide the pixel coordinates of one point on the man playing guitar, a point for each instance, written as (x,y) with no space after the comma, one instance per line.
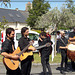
(7,48)
(23,42)
(72,40)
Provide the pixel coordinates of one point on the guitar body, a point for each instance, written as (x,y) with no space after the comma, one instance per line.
(25,55)
(11,64)
(14,64)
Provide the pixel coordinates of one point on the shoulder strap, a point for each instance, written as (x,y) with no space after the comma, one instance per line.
(62,41)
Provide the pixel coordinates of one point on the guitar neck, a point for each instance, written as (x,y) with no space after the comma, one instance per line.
(24,50)
(27,48)
(40,47)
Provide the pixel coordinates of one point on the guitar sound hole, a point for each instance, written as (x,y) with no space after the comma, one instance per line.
(12,62)
(22,55)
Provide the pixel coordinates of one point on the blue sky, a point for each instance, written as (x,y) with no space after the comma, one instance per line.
(20,4)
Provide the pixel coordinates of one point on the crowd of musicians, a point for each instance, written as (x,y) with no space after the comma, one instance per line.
(44,37)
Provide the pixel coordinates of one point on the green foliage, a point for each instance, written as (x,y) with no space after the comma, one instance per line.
(5,2)
(3,23)
(39,31)
(62,20)
(70,5)
(38,8)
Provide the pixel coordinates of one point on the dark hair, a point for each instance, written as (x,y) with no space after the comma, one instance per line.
(58,31)
(42,30)
(9,30)
(43,34)
(23,30)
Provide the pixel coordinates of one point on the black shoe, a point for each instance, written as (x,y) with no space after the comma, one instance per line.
(66,69)
(45,74)
(62,72)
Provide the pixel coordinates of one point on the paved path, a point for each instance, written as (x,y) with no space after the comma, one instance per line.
(37,69)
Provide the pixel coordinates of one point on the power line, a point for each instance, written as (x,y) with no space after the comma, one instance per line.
(32,0)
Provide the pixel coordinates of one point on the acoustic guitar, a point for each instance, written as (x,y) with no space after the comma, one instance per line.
(14,64)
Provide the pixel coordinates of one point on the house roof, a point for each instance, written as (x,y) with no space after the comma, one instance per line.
(12,15)
(25,13)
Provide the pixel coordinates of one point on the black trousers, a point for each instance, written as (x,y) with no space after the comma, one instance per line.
(57,47)
(26,66)
(13,72)
(45,64)
(64,58)
(73,64)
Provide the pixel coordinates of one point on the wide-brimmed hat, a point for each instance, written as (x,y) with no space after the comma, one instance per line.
(62,32)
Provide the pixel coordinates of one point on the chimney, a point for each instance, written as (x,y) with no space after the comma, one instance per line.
(16,9)
(28,5)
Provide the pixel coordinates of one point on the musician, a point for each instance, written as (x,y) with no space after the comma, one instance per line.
(63,42)
(72,40)
(8,47)
(23,42)
(42,30)
(45,52)
(57,42)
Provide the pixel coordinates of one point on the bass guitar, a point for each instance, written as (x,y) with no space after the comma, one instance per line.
(14,64)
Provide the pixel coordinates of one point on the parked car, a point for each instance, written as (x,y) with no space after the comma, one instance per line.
(32,35)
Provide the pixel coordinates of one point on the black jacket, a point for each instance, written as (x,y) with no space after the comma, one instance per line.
(7,46)
(45,51)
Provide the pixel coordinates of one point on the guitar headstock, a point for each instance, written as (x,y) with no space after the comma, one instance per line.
(47,44)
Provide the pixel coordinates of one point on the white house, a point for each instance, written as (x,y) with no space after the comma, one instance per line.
(15,18)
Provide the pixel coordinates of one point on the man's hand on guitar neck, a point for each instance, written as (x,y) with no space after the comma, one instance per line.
(31,48)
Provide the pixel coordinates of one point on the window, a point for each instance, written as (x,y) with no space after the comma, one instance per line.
(18,36)
(31,36)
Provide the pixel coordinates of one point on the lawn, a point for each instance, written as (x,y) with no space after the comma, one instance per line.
(1,57)
(37,59)
(57,59)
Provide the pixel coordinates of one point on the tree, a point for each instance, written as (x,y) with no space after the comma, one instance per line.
(5,2)
(62,20)
(3,23)
(51,18)
(67,18)
(70,5)
(38,8)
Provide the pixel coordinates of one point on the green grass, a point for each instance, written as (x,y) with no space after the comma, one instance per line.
(1,57)
(39,31)
(57,59)
(37,59)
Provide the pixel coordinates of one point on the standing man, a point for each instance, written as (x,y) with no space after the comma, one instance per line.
(42,30)
(8,47)
(23,42)
(63,42)
(57,43)
(48,35)
(45,52)
(72,40)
